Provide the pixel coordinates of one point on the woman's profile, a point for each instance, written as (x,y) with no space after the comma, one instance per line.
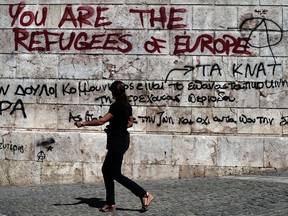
(120,118)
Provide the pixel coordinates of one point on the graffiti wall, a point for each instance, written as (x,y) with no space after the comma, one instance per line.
(207,81)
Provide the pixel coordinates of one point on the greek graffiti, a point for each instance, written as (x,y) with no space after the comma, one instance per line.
(88,117)
(161,119)
(209,99)
(104,99)
(39,90)
(284,121)
(85,88)
(260,119)
(185,121)
(12,107)
(67,89)
(227,119)
(152,99)
(203,121)
(256,71)
(199,85)
(4,91)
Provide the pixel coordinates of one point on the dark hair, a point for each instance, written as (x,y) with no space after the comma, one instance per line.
(118,91)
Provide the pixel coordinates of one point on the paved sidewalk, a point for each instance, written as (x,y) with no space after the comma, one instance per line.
(233,195)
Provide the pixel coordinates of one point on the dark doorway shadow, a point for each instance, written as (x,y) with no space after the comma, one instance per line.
(94,203)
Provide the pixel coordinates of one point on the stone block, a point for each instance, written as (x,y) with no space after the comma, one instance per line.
(236,2)
(80,67)
(68,92)
(240,151)
(122,18)
(95,92)
(24,173)
(165,2)
(259,121)
(61,173)
(37,116)
(18,146)
(92,172)
(4,172)
(93,147)
(155,172)
(188,171)
(7,39)
(123,67)
(273,2)
(21,89)
(214,120)
(258,69)
(57,147)
(168,119)
(156,150)
(67,115)
(207,18)
(213,68)
(8,67)
(169,68)
(139,124)
(195,2)
(42,65)
(275,152)
(194,150)
(215,171)
(139,40)
(274,100)
(5,20)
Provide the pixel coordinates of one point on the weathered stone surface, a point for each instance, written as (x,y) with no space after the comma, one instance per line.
(207,80)
(22,172)
(243,152)
(188,150)
(275,152)
(57,147)
(61,173)
(155,171)
(93,147)
(153,151)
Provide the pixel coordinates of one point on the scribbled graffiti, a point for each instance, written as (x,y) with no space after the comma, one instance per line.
(10,146)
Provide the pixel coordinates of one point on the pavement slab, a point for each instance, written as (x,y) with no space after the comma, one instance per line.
(265,194)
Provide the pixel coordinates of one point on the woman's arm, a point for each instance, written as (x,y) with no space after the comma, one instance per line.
(130,122)
(96,122)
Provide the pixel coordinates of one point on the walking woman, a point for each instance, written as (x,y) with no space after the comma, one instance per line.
(120,118)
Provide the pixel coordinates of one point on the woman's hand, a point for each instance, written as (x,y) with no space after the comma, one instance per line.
(79,124)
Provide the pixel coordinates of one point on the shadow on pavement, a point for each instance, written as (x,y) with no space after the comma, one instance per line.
(94,203)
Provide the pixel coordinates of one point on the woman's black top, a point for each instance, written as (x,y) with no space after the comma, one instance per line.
(121,114)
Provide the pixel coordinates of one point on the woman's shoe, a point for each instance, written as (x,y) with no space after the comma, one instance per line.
(146,200)
(108,208)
